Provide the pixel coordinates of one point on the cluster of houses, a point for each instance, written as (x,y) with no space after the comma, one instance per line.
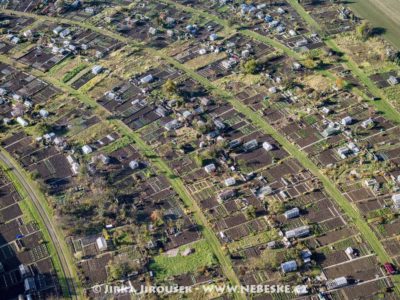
(256,196)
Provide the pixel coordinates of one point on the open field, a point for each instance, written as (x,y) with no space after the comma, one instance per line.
(381,13)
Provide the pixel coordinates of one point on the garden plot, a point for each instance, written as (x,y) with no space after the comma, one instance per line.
(185,166)
(382,80)
(81,81)
(15,23)
(42,58)
(359,194)
(362,269)
(153,134)
(50,166)
(5,47)
(198,186)
(333,18)
(368,206)
(77,120)
(214,71)
(332,236)
(367,289)
(388,229)
(96,269)
(26,85)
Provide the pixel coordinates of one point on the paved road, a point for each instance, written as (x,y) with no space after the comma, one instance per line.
(49,225)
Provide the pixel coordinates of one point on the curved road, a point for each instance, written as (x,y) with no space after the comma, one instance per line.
(66,268)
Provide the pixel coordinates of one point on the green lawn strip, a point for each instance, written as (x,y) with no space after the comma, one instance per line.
(36,215)
(72,73)
(165,266)
(29,210)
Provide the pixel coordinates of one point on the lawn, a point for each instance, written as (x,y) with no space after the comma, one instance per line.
(165,266)
(253,240)
(393,94)
(96,131)
(204,60)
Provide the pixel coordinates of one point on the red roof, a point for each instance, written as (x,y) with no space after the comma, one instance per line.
(389,268)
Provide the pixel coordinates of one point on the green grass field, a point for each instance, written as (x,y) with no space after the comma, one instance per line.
(381,13)
(165,266)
